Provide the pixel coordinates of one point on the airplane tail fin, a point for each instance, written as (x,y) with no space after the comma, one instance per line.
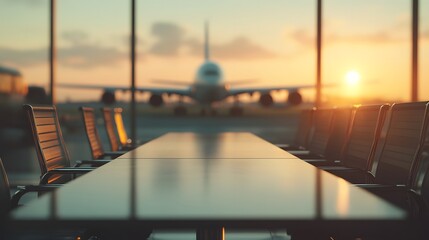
(206,42)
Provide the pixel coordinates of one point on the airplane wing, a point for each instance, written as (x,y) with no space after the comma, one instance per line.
(153,90)
(237,91)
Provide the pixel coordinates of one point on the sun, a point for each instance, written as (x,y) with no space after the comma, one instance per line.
(352,78)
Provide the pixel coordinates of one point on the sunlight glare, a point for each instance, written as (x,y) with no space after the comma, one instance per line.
(352,78)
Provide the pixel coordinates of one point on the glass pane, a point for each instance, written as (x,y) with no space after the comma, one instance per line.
(424,51)
(93,46)
(270,43)
(369,39)
(24,39)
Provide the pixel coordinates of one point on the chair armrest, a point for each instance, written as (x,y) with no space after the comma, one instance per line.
(323,162)
(282,145)
(127,148)
(114,154)
(44,179)
(299,152)
(339,169)
(93,163)
(22,190)
(376,186)
(306,155)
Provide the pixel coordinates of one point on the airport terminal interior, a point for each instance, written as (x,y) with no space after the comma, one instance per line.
(214,120)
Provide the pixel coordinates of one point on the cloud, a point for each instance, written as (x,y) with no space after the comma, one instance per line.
(75,36)
(380,37)
(89,55)
(30,3)
(170,38)
(23,57)
(239,48)
(80,53)
(303,37)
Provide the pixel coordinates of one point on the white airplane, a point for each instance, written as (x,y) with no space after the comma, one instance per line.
(209,87)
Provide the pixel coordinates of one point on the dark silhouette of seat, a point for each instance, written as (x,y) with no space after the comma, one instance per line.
(404,139)
(341,122)
(323,122)
(53,156)
(5,200)
(93,137)
(109,125)
(362,140)
(398,147)
(302,134)
(414,197)
(8,202)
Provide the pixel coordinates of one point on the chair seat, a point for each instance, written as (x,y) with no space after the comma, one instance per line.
(413,204)
(355,176)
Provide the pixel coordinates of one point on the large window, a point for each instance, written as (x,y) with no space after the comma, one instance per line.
(424,51)
(269,42)
(373,39)
(24,39)
(92,46)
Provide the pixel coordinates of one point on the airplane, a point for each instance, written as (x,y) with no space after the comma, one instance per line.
(209,87)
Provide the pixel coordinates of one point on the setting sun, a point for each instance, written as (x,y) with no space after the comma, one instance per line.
(352,78)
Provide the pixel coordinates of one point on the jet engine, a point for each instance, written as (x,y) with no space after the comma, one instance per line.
(266,100)
(294,98)
(156,100)
(108,97)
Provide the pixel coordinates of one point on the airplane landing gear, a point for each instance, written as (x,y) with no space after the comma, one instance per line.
(180,111)
(236,111)
(210,111)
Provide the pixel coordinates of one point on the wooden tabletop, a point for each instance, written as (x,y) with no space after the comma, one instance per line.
(208,186)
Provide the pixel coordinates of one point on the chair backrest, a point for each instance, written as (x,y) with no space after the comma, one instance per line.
(420,183)
(4,192)
(110,129)
(304,128)
(122,132)
(321,131)
(364,136)
(405,134)
(341,122)
(48,139)
(88,116)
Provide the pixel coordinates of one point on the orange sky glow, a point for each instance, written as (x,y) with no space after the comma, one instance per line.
(270,41)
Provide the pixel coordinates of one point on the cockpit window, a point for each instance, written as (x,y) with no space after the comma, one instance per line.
(211,73)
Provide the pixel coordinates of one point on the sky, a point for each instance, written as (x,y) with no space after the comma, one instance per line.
(271,41)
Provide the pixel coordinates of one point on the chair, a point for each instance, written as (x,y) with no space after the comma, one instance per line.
(398,147)
(320,136)
(303,132)
(93,137)
(54,160)
(414,198)
(120,128)
(362,139)
(7,202)
(109,125)
(341,121)
(404,139)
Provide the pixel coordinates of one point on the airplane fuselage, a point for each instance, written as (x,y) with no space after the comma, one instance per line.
(209,86)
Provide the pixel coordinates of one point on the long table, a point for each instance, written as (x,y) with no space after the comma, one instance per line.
(210,182)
